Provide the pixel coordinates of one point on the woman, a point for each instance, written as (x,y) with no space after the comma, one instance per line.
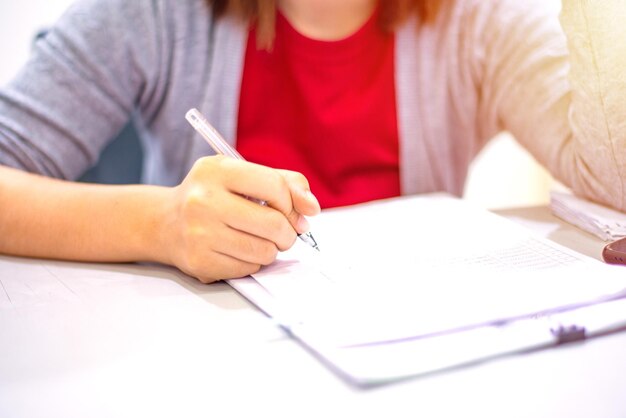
(365,99)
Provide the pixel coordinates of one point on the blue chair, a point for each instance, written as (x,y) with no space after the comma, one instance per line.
(120,162)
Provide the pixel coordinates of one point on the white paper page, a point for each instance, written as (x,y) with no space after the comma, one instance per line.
(394,270)
(604,222)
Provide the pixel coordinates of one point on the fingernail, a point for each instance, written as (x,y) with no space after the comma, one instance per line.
(302,225)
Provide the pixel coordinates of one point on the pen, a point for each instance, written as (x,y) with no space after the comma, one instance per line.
(220,146)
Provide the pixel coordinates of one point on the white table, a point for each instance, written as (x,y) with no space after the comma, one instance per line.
(91,340)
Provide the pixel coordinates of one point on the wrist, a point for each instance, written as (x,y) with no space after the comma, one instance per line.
(152,224)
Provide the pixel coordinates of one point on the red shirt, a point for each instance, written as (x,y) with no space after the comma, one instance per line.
(325,109)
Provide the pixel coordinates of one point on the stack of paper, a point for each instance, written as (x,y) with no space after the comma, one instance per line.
(414,285)
(599,220)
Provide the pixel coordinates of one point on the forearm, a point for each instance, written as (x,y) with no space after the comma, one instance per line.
(48,218)
(204,226)
(561,90)
(596,33)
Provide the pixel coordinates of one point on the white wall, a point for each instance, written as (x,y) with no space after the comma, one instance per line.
(504,174)
(19,21)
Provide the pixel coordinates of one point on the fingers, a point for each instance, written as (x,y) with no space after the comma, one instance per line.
(218,233)
(215,251)
(281,189)
(261,221)
(243,246)
(220,267)
(303,201)
(256,181)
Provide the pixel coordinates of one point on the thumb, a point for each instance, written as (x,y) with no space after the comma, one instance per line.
(303,201)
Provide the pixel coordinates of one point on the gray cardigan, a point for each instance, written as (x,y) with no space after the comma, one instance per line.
(482,67)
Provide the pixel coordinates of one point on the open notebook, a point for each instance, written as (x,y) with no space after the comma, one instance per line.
(414,285)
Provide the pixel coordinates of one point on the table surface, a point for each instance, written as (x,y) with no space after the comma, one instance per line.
(79,347)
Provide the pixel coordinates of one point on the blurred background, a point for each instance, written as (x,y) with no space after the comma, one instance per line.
(503,175)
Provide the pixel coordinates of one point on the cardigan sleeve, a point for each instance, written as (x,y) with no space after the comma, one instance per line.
(596,36)
(559,88)
(80,86)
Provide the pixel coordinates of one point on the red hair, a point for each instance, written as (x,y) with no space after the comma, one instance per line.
(392,14)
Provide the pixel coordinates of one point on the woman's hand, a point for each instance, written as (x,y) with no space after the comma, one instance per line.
(205,226)
(212,231)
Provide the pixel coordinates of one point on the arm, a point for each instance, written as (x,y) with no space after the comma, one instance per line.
(97,65)
(51,218)
(560,97)
(78,89)
(204,226)
(597,43)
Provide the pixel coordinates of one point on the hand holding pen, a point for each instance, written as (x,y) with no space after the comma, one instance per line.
(221,147)
(211,230)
